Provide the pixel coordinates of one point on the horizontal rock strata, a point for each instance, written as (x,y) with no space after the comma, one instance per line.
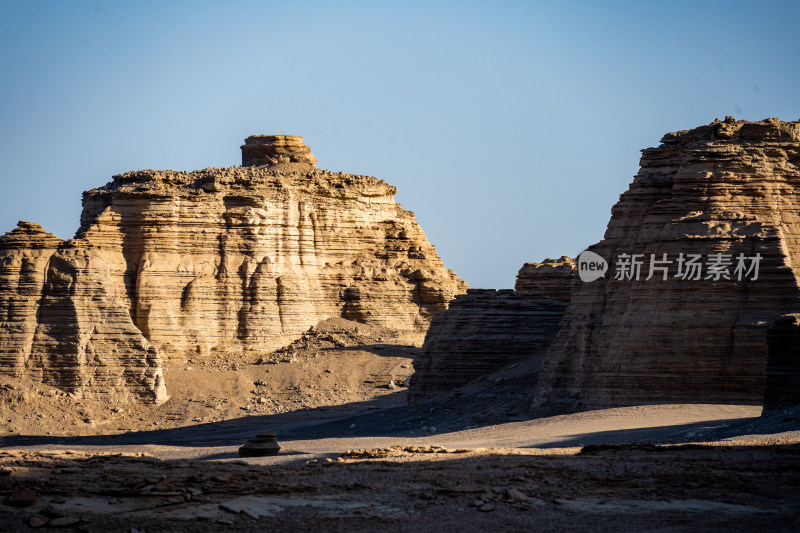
(63,323)
(213,261)
(728,188)
(482,331)
(551,278)
(273,149)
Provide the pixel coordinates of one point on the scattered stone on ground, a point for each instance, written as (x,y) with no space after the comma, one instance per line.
(260,445)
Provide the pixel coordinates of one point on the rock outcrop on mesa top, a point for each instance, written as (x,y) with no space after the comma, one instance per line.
(730,188)
(241,259)
(271,149)
(551,278)
(483,331)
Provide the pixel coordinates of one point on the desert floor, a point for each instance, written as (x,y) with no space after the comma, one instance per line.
(592,471)
(356,457)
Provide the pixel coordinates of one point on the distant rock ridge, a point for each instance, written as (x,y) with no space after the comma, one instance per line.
(213,261)
(551,278)
(730,187)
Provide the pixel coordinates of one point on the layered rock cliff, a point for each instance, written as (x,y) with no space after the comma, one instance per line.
(239,259)
(695,330)
(482,331)
(63,322)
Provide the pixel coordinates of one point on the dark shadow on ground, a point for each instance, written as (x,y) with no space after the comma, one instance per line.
(340,422)
(386,350)
(694,431)
(490,401)
(376,417)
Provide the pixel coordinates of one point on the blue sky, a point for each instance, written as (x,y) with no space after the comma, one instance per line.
(510,128)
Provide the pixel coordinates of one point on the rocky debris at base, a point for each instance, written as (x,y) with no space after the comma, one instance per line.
(22,497)
(331,335)
(402,451)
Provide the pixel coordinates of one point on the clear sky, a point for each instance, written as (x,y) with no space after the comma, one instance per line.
(510,128)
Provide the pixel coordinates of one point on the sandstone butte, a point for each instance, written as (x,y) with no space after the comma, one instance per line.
(241,259)
(730,187)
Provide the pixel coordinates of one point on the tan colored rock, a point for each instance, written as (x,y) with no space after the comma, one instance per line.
(482,331)
(85,341)
(65,324)
(215,261)
(272,149)
(24,257)
(730,187)
(247,259)
(551,278)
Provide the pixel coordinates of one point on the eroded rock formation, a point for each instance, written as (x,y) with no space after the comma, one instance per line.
(551,278)
(24,259)
(271,149)
(64,324)
(482,331)
(212,261)
(728,188)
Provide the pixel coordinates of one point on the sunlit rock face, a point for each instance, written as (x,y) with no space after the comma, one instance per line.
(730,188)
(273,149)
(551,278)
(64,323)
(214,261)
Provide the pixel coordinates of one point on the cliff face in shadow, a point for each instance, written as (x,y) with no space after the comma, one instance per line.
(782,372)
(483,331)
